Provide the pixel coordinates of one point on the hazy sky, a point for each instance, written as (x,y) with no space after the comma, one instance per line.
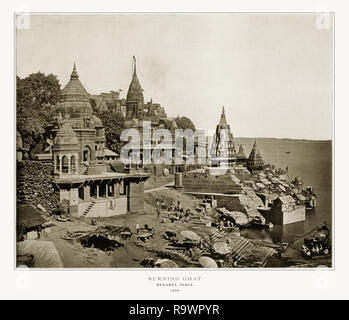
(273,73)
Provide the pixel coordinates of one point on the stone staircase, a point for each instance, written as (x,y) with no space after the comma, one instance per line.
(184,255)
(240,247)
(237,248)
(213,237)
(88,209)
(189,259)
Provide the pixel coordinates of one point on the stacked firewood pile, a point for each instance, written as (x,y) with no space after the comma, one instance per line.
(34,184)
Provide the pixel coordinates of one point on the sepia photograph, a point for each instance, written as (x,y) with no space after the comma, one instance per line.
(174,140)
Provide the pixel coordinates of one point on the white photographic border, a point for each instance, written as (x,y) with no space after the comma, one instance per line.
(207,284)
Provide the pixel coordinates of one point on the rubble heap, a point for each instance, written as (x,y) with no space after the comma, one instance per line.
(34,184)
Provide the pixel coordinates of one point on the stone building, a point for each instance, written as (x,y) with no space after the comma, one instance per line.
(223,148)
(92,187)
(137,112)
(284,210)
(109,101)
(66,151)
(75,108)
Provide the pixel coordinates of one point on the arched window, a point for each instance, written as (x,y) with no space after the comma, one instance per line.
(86,153)
(65,164)
(72,164)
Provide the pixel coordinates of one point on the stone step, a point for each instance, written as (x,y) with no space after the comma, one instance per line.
(239,245)
(87,210)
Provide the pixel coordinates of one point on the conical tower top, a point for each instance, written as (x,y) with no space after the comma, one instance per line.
(134,92)
(223,121)
(74,74)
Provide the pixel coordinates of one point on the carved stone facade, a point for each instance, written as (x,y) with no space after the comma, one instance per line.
(66,151)
(91,186)
(76,109)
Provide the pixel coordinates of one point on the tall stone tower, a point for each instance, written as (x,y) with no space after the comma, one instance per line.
(134,98)
(224,145)
(255,161)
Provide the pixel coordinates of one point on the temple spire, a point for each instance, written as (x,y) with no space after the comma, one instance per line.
(74,74)
(134,65)
(255,160)
(223,121)
(134,93)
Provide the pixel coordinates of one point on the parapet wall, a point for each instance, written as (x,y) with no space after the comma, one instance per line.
(34,184)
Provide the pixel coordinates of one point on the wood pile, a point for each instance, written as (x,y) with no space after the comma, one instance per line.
(34,184)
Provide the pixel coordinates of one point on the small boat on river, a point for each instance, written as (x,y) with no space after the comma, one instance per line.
(317,243)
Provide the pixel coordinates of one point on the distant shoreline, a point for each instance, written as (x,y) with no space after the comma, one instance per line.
(291,139)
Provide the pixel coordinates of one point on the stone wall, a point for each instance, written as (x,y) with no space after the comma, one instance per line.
(201,182)
(104,207)
(282,218)
(136,197)
(34,184)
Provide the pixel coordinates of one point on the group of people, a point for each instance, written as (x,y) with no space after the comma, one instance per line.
(174,211)
(146,227)
(170,207)
(314,249)
(225,223)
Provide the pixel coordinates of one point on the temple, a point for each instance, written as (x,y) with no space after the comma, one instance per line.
(255,162)
(137,112)
(223,148)
(82,174)
(76,109)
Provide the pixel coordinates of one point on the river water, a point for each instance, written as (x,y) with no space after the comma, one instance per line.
(310,159)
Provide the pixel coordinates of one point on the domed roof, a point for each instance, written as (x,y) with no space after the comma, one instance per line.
(135,92)
(75,99)
(223,124)
(66,135)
